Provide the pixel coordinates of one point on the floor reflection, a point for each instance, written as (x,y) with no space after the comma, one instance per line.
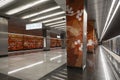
(44,66)
(95,69)
(34,65)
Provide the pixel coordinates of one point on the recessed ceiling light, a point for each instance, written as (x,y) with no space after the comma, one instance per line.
(26,6)
(109,15)
(5,2)
(113,15)
(51,15)
(58,36)
(41,12)
(54,19)
(59,25)
(55,23)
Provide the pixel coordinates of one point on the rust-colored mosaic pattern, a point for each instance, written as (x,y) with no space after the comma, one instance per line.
(74,32)
(21,42)
(32,42)
(15,42)
(26,42)
(54,42)
(91,37)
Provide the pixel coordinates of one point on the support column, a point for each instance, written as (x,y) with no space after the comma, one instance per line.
(46,36)
(75,28)
(91,37)
(3,36)
(63,40)
(4,45)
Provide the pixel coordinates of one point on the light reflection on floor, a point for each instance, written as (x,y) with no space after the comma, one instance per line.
(35,65)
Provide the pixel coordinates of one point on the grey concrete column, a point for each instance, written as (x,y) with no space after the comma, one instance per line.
(4,45)
(63,40)
(46,35)
(3,36)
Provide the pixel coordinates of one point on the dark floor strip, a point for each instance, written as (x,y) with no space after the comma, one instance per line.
(56,74)
(93,71)
(6,77)
(3,56)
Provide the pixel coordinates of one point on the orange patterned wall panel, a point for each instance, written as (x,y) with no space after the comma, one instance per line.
(74,32)
(15,42)
(39,42)
(21,42)
(58,44)
(25,42)
(29,42)
(91,38)
(54,42)
(33,42)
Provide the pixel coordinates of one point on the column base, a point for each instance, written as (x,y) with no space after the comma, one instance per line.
(46,49)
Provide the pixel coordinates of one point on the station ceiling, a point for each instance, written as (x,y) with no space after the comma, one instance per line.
(31,11)
(52,13)
(106,14)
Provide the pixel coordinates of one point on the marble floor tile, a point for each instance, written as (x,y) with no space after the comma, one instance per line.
(51,65)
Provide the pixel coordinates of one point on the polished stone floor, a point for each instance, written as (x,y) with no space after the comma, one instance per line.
(6,77)
(34,65)
(51,65)
(97,68)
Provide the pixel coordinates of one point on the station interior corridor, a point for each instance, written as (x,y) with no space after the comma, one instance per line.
(51,65)
(59,40)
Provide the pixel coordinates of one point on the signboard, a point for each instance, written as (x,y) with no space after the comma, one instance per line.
(34,26)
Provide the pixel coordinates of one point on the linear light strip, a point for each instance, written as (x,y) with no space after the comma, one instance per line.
(60,28)
(48,16)
(26,67)
(41,12)
(26,6)
(108,17)
(58,25)
(116,9)
(54,19)
(55,23)
(5,2)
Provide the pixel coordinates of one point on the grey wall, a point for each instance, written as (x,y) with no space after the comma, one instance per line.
(3,36)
